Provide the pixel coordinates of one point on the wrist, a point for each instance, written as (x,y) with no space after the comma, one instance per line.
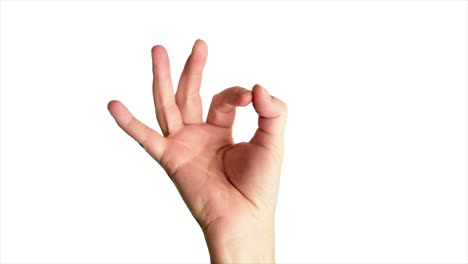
(254,244)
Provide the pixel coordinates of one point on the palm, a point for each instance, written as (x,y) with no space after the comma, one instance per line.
(218,179)
(223,184)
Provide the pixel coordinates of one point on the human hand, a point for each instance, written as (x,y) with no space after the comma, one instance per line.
(230,189)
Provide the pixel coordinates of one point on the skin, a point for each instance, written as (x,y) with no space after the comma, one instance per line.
(230,189)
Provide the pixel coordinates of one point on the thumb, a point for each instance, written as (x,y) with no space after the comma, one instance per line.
(271,118)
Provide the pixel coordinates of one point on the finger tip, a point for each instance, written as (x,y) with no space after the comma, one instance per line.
(200,42)
(158,50)
(200,47)
(114,107)
(260,92)
(245,99)
(259,88)
(256,87)
(111,103)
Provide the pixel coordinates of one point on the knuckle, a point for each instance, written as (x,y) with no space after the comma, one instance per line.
(129,123)
(146,136)
(236,89)
(216,97)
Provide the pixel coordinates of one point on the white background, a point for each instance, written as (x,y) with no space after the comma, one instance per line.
(376,146)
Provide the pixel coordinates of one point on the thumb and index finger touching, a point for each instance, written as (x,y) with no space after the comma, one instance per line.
(271,112)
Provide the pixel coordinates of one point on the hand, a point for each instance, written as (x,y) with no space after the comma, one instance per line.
(231,189)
